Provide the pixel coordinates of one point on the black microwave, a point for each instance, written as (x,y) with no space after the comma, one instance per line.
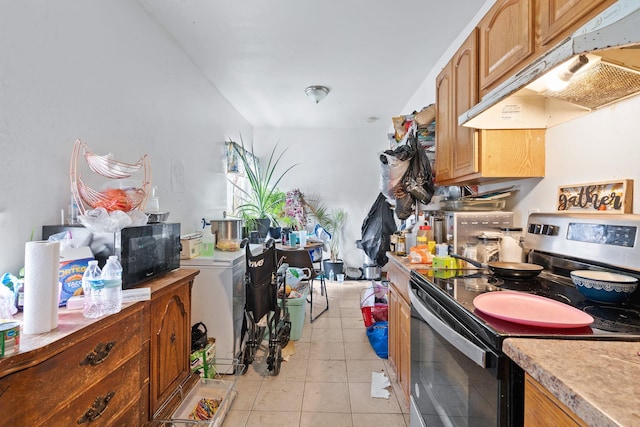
(145,251)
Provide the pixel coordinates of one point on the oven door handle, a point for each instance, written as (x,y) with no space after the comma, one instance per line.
(466,347)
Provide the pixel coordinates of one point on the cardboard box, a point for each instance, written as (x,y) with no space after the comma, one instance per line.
(190,245)
(203,361)
(73,263)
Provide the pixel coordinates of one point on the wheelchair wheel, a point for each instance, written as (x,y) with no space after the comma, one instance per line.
(275,359)
(284,334)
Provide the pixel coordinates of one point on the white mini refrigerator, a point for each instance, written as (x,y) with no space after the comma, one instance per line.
(218,298)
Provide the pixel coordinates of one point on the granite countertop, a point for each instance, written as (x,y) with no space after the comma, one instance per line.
(598,380)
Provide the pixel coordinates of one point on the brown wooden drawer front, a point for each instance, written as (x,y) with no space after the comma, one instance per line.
(399,277)
(113,396)
(58,381)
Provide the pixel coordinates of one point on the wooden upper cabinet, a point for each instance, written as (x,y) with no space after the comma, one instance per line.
(507,41)
(456,92)
(444,128)
(557,19)
(465,83)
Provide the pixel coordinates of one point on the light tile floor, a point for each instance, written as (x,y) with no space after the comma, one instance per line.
(327,382)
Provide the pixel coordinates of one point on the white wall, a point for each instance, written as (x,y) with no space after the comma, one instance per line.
(601,146)
(340,165)
(107,73)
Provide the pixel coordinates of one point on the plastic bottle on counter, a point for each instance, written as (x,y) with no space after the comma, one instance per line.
(208,242)
(511,249)
(112,280)
(410,238)
(92,287)
(425,235)
(331,276)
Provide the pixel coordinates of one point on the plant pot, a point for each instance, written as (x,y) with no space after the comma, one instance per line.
(275,232)
(262,225)
(337,267)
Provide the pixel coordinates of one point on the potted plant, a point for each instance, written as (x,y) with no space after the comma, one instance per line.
(333,222)
(262,197)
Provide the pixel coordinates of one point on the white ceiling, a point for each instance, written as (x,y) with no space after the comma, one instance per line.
(262,54)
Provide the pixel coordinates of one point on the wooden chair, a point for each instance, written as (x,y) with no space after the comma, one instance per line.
(301,258)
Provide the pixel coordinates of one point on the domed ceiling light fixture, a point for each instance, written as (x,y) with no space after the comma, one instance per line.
(317,93)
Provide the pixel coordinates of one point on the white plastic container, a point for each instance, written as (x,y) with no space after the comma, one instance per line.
(92,288)
(112,290)
(208,242)
(511,249)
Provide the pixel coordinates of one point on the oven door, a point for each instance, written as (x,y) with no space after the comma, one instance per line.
(456,379)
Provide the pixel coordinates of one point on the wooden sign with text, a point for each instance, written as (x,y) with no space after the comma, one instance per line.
(597,197)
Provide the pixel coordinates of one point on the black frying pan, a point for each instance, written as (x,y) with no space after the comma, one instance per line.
(507,270)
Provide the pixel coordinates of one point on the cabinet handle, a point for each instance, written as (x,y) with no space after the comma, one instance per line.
(98,407)
(98,355)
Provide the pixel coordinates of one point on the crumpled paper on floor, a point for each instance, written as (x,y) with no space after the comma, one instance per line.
(379,383)
(288,351)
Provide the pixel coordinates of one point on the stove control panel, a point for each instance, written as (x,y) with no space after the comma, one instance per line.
(609,239)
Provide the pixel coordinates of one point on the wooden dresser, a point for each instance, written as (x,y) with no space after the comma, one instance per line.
(116,370)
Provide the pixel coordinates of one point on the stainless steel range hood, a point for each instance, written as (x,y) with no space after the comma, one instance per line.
(610,46)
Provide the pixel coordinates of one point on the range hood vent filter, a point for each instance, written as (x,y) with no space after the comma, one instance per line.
(600,85)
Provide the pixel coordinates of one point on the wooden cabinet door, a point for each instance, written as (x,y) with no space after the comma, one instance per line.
(557,19)
(445,138)
(465,96)
(404,346)
(170,342)
(393,329)
(507,41)
(542,409)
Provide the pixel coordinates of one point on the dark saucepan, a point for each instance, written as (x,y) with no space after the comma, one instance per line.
(507,270)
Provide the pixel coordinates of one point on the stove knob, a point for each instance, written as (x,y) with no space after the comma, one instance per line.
(535,228)
(549,230)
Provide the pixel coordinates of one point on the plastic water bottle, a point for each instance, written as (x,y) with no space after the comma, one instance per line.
(331,276)
(92,288)
(112,291)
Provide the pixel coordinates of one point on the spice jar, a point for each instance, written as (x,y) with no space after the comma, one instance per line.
(511,249)
(488,249)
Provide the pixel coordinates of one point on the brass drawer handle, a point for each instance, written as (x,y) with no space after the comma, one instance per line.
(98,407)
(98,355)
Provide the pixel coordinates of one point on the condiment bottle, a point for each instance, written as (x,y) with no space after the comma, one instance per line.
(425,235)
(401,245)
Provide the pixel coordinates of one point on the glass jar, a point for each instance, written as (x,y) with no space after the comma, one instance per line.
(488,249)
(470,250)
(401,245)
(511,249)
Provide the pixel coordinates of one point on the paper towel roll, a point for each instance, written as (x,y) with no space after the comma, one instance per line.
(41,289)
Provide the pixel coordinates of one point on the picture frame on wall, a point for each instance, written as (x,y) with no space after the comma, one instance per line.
(608,197)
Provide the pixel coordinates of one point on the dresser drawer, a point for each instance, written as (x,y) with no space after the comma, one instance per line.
(104,402)
(60,380)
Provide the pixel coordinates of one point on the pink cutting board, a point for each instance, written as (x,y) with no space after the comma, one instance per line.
(531,310)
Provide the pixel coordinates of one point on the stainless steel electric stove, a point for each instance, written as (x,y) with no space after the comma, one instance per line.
(457,348)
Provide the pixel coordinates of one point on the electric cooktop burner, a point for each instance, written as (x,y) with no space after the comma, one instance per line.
(616,319)
(611,320)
